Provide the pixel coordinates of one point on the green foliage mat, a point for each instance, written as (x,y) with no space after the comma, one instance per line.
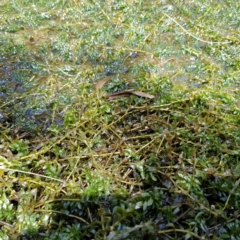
(78,163)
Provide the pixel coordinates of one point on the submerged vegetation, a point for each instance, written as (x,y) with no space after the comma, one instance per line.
(81,157)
